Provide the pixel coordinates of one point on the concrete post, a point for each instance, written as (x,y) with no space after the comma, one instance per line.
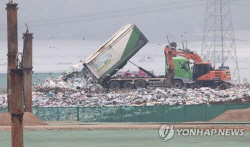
(16,105)
(27,66)
(12,43)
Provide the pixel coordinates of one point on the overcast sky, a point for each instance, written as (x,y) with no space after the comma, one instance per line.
(99,19)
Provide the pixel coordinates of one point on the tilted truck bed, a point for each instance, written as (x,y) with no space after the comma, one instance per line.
(115,53)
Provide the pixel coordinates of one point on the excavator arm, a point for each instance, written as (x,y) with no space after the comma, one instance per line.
(169,75)
(169,59)
(184,53)
(170,52)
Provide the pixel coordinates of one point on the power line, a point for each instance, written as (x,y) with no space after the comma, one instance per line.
(110,16)
(245,3)
(119,11)
(116,12)
(241,3)
(117,15)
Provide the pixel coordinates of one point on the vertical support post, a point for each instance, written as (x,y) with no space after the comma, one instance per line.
(27,66)
(101,114)
(57,114)
(141,113)
(185,113)
(121,113)
(206,114)
(12,43)
(78,117)
(16,103)
(163,112)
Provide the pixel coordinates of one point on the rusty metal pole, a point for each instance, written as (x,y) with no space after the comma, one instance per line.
(16,103)
(27,66)
(12,43)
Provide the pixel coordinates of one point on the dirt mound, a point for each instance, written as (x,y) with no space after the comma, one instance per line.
(241,115)
(29,119)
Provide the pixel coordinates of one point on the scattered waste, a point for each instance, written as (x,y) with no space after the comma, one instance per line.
(136,97)
(76,88)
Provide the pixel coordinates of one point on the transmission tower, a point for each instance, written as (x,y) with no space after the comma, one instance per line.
(218,45)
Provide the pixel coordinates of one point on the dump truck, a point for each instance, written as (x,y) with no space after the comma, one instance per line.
(114,55)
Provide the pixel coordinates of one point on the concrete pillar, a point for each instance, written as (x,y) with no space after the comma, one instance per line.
(12,43)
(16,105)
(27,66)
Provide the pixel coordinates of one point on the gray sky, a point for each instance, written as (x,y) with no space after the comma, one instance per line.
(99,19)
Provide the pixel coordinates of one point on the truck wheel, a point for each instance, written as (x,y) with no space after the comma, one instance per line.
(114,85)
(178,84)
(128,85)
(224,86)
(140,84)
(195,86)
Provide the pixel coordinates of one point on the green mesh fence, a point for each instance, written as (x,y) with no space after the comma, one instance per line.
(3,110)
(131,114)
(89,114)
(173,113)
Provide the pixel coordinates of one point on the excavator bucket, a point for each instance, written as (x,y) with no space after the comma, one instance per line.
(169,81)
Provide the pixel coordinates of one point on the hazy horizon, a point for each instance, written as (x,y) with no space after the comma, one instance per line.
(73,29)
(98,20)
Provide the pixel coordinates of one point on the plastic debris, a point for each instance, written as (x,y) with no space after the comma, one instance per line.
(75,78)
(76,88)
(136,97)
(146,97)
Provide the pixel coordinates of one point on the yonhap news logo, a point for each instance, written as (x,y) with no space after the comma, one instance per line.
(167,131)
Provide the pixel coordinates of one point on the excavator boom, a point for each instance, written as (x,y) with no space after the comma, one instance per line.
(171,52)
(184,53)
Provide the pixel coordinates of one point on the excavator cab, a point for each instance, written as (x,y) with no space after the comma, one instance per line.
(201,69)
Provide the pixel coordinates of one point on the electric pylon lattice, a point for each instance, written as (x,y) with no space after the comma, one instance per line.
(218,45)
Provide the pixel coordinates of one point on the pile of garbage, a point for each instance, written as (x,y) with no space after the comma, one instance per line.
(143,97)
(3,101)
(75,78)
(138,97)
(76,88)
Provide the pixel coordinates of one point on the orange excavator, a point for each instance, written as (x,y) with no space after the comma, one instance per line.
(203,74)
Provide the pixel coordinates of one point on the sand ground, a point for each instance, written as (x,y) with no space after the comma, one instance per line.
(67,126)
